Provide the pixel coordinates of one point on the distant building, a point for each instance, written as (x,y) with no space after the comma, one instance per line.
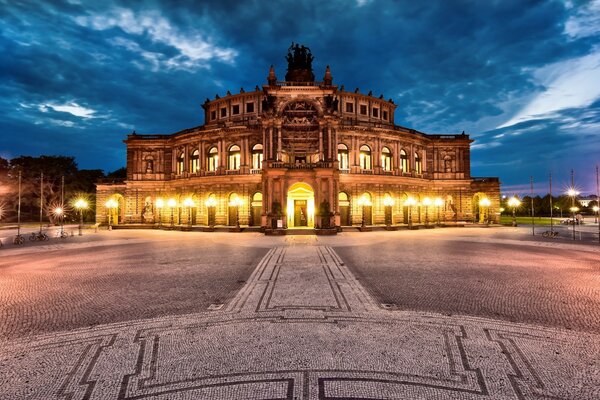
(585,201)
(298,153)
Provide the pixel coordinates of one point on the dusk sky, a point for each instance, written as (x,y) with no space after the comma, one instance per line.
(521,77)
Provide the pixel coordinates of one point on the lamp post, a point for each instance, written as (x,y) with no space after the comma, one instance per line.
(211,203)
(58,211)
(426,202)
(363,202)
(513,203)
(485,204)
(160,203)
(438,202)
(80,205)
(237,203)
(172,203)
(110,204)
(388,202)
(596,209)
(410,202)
(572,193)
(189,203)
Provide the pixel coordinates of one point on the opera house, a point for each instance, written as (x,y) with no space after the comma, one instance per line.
(298,153)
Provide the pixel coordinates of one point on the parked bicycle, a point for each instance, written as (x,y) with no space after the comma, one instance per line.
(18,240)
(550,234)
(39,236)
(62,234)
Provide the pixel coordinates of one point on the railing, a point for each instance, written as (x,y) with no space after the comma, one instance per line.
(255,171)
(320,164)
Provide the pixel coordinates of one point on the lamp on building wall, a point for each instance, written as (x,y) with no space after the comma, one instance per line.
(485,204)
(159,205)
(110,204)
(172,203)
(211,203)
(189,203)
(363,202)
(237,203)
(388,202)
(410,202)
(80,205)
(427,202)
(513,203)
(438,202)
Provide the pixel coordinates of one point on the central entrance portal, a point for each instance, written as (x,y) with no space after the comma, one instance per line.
(300,206)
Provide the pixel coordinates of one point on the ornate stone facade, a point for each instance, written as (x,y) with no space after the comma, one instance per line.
(299,153)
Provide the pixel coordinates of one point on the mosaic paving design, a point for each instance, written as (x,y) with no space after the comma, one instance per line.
(303,327)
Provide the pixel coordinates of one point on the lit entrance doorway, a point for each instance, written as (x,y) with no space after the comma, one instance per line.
(300,206)
(256,206)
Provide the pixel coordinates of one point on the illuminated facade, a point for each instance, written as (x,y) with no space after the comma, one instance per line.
(298,153)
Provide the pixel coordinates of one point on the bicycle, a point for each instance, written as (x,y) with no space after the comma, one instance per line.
(550,234)
(39,236)
(62,234)
(18,240)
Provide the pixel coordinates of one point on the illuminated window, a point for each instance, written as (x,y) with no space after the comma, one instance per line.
(343,156)
(233,159)
(404,161)
(418,164)
(386,159)
(179,163)
(213,159)
(194,161)
(257,156)
(365,157)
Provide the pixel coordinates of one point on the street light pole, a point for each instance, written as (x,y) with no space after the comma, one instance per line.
(80,205)
(513,203)
(160,204)
(410,202)
(439,202)
(172,203)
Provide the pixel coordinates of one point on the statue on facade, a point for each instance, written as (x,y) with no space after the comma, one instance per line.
(299,60)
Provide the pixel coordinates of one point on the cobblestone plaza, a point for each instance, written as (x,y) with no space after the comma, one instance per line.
(462,313)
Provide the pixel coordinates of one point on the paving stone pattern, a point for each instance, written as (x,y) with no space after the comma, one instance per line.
(303,327)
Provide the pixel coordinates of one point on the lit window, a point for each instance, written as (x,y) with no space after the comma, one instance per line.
(194,161)
(365,157)
(233,159)
(257,156)
(418,164)
(404,161)
(213,159)
(343,156)
(179,163)
(386,159)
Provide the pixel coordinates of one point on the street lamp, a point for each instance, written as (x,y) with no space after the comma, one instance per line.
(485,204)
(172,203)
(110,204)
(410,202)
(211,203)
(363,202)
(438,202)
(572,193)
(426,202)
(513,203)
(237,203)
(59,212)
(81,205)
(189,203)
(160,203)
(596,209)
(388,202)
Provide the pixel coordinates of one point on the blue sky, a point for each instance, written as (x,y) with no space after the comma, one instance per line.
(521,77)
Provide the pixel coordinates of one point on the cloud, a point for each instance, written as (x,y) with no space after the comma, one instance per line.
(585,21)
(568,84)
(194,48)
(73,109)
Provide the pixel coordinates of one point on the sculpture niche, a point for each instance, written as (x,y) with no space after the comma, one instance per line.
(299,60)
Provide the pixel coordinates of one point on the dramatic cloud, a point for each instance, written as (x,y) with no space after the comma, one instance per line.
(520,77)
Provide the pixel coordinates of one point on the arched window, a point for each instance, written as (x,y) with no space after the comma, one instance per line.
(233,159)
(404,161)
(343,199)
(194,161)
(386,159)
(257,156)
(365,157)
(212,159)
(418,164)
(179,163)
(343,156)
